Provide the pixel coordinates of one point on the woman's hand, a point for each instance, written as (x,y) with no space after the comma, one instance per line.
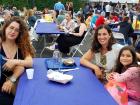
(10,64)
(7,86)
(110,76)
(98,73)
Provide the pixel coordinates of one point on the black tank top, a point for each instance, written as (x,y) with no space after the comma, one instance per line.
(76,30)
(8,73)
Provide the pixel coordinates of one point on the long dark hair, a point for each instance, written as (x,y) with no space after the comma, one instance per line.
(119,67)
(96,45)
(82,19)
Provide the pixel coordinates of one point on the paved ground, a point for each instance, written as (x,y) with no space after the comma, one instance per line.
(38,45)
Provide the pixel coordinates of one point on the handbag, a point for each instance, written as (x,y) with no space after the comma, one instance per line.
(118,91)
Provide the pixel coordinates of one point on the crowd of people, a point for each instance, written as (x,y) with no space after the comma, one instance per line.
(107,58)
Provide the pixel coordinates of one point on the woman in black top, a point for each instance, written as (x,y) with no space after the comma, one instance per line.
(17,53)
(7,98)
(73,38)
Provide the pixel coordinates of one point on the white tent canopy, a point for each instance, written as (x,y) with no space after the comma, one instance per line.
(115,1)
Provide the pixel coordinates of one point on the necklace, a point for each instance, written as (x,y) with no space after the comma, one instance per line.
(103,59)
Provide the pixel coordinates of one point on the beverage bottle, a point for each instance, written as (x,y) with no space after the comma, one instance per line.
(57,57)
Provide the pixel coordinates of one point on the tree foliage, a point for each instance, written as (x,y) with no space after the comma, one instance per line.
(40,3)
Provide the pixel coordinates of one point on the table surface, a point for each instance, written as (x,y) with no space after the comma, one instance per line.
(84,89)
(47,28)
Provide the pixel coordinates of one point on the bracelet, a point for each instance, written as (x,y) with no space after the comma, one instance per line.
(12,79)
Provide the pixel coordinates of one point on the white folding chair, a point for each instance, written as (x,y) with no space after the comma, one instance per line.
(32,33)
(120,37)
(76,48)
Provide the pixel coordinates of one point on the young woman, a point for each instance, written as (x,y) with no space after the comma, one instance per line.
(104,52)
(127,71)
(73,37)
(17,53)
(88,20)
(68,23)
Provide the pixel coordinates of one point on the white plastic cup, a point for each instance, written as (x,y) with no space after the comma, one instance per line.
(30,73)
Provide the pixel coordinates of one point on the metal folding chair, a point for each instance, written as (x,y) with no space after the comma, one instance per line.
(76,48)
(119,37)
(32,33)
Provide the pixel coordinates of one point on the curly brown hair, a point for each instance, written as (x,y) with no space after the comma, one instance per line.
(23,39)
(96,45)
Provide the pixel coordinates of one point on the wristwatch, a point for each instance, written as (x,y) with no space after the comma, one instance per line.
(12,79)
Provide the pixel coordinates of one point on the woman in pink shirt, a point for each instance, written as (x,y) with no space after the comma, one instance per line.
(127,71)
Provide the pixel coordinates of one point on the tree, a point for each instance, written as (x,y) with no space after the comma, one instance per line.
(41,3)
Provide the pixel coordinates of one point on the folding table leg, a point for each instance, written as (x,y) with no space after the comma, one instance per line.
(44,46)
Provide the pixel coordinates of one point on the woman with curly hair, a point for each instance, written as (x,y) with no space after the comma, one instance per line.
(17,53)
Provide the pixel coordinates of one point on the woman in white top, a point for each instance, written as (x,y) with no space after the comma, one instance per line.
(104,52)
(68,23)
